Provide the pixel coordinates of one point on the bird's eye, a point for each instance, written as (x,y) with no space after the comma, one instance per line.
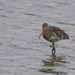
(45,26)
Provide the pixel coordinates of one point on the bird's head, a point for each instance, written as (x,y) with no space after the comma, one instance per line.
(45,27)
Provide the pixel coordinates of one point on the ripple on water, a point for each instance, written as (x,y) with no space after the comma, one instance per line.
(21,53)
(54,64)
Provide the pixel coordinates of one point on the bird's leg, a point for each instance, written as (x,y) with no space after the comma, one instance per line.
(53,48)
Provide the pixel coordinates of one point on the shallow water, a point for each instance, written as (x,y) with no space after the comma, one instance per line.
(21,52)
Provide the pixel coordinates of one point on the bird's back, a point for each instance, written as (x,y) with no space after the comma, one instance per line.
(59,32)
(54,34)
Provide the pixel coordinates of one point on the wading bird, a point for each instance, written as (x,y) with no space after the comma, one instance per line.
(53,34)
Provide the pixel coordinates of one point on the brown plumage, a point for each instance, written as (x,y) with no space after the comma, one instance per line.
(53,34)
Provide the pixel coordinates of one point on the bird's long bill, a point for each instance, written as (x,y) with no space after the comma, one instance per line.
(40,34)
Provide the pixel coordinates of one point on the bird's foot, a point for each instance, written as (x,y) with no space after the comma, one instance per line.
(53,49)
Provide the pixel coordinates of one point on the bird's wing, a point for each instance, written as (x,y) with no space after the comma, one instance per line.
(58,31)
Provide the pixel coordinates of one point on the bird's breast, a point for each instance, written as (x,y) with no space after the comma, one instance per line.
(51,36)
(46,35)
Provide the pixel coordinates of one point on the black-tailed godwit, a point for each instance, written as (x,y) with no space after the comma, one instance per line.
(53,34)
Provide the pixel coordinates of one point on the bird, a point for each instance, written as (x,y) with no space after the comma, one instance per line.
(53,34)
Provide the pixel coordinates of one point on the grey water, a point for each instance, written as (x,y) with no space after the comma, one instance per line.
(21,52)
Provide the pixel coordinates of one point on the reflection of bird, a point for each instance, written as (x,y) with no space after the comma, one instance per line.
(53,34)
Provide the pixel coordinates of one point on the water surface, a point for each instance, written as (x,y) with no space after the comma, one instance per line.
(21,52)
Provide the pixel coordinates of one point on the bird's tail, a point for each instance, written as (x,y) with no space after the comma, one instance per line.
(65,36)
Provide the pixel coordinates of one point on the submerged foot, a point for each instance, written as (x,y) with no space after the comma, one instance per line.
(53,49)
